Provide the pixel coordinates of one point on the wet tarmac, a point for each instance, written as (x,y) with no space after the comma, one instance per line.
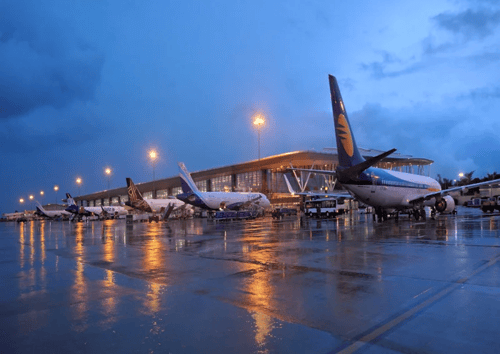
(263,286)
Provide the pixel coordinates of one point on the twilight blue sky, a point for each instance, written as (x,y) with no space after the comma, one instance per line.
(90,84)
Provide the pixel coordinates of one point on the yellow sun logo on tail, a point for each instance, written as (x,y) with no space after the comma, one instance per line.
(344,134)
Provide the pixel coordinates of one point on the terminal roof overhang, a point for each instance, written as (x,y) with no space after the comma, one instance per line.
(276,163)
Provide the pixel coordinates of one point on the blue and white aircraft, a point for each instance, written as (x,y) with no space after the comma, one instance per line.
(99,211)
(217,200)
(51,214)
(385,190)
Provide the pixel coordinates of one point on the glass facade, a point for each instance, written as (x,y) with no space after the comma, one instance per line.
(106,202)
(176,190)
(124,198)
(114,200)
(249,181)
(221,184)
(97,202)
(202,185)
(147,195)
(91,203)
(162,194)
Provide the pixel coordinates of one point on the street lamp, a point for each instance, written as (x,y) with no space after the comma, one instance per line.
(153,156)
(259,122)
(42,193)
(79,182)
(108,171)
(31,198)
(56,188)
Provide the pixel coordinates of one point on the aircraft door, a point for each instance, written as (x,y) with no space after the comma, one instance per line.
(374,183)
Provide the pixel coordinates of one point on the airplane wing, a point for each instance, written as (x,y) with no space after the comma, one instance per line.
(451,190)
(313,194)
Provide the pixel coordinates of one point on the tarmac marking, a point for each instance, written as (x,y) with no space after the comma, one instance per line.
(367,338)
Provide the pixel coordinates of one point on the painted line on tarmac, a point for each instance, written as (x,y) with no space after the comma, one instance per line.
(369,337)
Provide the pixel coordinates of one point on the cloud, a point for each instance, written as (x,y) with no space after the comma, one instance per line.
(448,136)
(483,93)
(47,128)
(43,62)
(470,24)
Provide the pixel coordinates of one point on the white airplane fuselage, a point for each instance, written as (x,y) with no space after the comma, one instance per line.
(392,189)
(157,204)
(223,200)
(112,210)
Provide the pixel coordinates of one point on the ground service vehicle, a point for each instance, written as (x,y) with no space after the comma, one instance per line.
(324,207)
(490,204)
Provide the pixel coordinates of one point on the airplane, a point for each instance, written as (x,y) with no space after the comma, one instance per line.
(136,201)
(51,214)
(217,200)
(385,190)
(100,211)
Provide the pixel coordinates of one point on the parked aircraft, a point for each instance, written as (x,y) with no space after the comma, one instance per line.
(383,189)
(218,200)
(51,214)
(136,201)
(100,211)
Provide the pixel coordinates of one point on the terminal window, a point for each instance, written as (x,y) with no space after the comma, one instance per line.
(249,181)
(176,190)
(221,183)
(162,194)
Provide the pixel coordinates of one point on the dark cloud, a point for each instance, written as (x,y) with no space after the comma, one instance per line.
(43,61)
(483,93)
(471,24)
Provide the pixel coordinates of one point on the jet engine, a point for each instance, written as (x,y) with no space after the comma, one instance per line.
(445,205)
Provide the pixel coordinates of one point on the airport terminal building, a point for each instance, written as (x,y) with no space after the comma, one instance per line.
(264,175)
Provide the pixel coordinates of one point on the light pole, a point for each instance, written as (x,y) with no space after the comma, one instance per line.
(56,188)
(31,200)
(108,171)
(21,201)
(153,156)
(259,122)
(42,193)
(79,183)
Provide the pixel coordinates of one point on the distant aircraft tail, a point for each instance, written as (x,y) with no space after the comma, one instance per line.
(133,192)
(290,189)
(187,183)
(39,208)
(70,199)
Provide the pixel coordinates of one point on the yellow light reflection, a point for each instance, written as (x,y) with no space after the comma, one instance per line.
(110,302)
(154,263)
(79,288)
(21,244)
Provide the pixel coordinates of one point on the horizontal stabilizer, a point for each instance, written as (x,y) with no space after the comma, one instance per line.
(354,171)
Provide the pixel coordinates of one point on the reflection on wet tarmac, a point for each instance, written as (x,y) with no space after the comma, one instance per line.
(148,284)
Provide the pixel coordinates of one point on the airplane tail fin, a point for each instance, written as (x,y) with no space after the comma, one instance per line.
(290,189)
(133,192)
(70,199)
(187,182)
(348,152)
(39,208)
